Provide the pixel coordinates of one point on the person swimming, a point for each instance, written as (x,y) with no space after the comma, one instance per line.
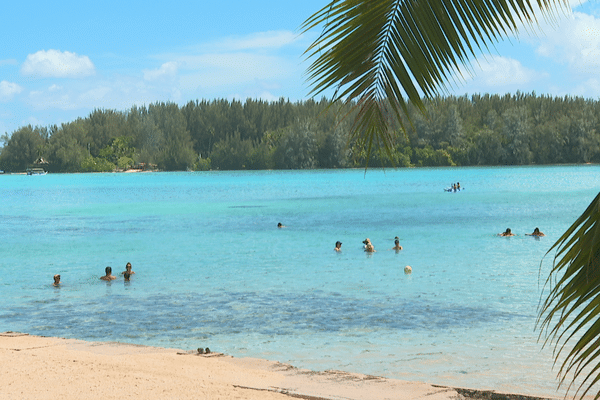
(368,246)
(56,280)
(280,225)
(128,269)
(108,276)
(338,246)
(507,232)
(536,232)
(397,246)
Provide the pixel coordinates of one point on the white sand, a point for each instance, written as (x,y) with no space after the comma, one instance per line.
(33,367)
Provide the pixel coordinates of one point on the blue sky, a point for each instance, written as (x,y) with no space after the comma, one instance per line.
(61,60)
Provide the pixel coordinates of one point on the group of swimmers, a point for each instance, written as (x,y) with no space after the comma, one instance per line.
(508,232)
(108,277)
(368,246)
(455,187)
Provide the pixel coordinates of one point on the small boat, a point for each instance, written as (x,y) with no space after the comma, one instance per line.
(36,171)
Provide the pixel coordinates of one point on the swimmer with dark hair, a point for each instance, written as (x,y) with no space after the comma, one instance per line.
(397,246)
(338,246)
(56,280)
(109,276)
(280,225)
(128,269)
(536,232)
(507,232)
(368,246)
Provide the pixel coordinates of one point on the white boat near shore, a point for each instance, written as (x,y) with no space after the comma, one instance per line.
(36,171)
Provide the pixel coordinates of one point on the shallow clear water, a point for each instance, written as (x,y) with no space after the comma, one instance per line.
(213,270)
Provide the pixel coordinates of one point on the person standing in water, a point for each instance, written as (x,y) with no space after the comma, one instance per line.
(536,232)
(507,232)
(128,269)
(369,246)
(397,246)
(56,280)
(109,276)
(338,246)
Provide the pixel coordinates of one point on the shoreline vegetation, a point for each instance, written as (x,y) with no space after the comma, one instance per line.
(137,170)
(47,367)
(477,130)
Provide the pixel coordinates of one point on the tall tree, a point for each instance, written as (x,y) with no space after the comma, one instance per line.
(516,133)
(298,147)
(176,150)
(23,148)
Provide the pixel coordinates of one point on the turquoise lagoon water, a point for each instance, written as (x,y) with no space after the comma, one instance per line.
(213,270)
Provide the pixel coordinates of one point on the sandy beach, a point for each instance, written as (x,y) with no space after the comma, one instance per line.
(36,367)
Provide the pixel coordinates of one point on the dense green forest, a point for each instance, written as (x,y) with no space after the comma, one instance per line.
(517,129)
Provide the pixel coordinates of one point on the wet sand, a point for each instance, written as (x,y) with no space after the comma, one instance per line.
(34,367)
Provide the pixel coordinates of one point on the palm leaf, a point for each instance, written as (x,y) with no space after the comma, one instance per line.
(572,306)
(382,55)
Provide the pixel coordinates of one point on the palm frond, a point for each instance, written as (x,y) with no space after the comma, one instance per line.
(384,54)
(572,306)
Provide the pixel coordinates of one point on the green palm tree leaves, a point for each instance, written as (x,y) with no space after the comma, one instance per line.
(383,54)
(572,308)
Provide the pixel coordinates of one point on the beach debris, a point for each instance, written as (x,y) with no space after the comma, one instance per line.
(13,334)
(204,352)
(408,269)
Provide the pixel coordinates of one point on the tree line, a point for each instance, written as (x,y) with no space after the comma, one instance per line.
(512,129)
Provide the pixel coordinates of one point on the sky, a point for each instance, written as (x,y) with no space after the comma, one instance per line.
(61,60)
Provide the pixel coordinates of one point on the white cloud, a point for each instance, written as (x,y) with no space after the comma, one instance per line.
(260,70)
(497,71)
(166,71)
(588,88)
(95,95)
(574,41)
(268,96)
(8,62)
(212,70)
(233,64)
(57,64)
(259,40)
(118,92)
(8,90)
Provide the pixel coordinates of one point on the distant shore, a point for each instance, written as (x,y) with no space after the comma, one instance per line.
(43,367)
(127,171)
(136,170)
